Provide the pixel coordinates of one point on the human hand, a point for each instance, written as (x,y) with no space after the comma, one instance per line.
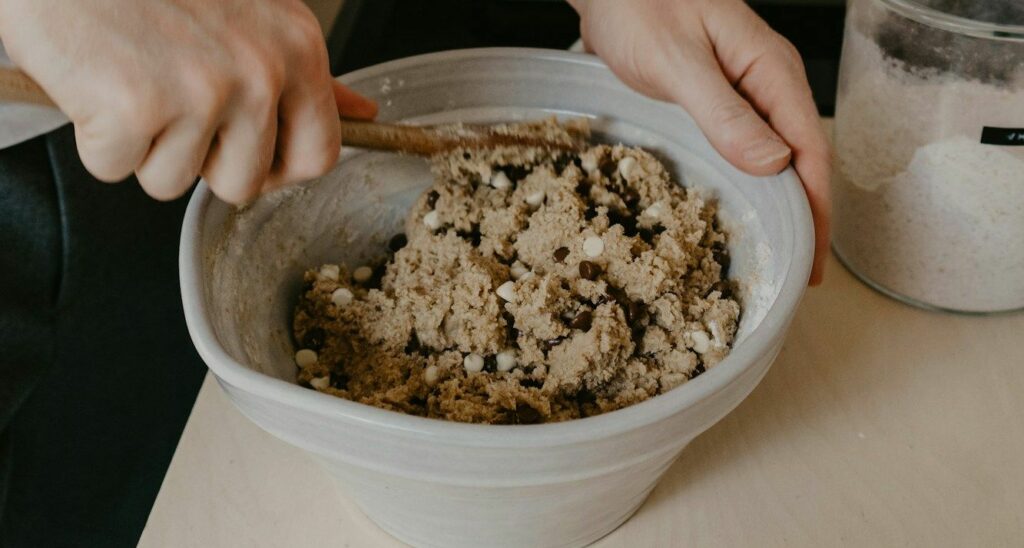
(238,91)
(743,83)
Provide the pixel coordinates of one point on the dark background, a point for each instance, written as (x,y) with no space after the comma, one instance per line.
(372,31)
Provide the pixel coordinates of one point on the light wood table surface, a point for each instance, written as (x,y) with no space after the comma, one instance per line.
(879,425)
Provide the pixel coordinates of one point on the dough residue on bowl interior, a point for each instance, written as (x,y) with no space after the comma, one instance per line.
(528,286)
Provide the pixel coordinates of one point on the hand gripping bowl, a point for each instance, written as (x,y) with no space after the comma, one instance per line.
(436,483)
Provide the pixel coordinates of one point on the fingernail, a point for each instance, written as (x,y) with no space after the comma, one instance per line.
(767,152)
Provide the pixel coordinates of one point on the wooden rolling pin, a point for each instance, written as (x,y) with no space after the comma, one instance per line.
(18,87)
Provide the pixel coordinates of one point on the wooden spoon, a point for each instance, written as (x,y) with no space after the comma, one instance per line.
(18,87)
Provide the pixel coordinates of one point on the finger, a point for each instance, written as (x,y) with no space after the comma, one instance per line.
(731,124)
(309,138)
(352,105)
(768,72)
(815,172)
(241,156)
(175,159)
(111,150)
(777,86)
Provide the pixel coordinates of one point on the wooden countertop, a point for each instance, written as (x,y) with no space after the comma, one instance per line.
(879,424)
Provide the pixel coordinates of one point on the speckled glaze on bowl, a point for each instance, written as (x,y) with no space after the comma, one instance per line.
(435,483)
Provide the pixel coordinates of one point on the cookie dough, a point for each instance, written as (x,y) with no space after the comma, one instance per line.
(527,287)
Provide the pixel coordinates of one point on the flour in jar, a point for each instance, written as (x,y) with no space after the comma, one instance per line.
(923,208)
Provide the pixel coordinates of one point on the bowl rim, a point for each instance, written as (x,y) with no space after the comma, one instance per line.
(758,343)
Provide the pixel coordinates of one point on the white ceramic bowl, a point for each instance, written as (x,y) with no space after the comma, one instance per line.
(436,483)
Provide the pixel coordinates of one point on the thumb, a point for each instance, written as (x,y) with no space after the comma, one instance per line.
(730,123)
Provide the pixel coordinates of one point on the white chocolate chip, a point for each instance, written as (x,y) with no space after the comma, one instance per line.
(507,291)
(362,274)
(716,333)
(305,358)
(519,270)
(654,211)
(320,383)
(431,375)
(593,247)
(342,297)
(330,272)
(589,162)
(701,342)
(506,360)
(626,166)
(432,220)
(536,198)
(501,181)
(474,363)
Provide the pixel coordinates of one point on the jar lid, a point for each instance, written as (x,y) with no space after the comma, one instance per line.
(994,19)
(1000,12)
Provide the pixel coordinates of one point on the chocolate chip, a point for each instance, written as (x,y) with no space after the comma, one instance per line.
(637,335)
(511,333)
(526,414)
(313,339)
(473,235)
(590,213)
(398,241)
(626,220)
(418,401)
(561,253)
(517,173)
(466,155)
(617,295)
(561,163)
(589,271)
(582,321)
(647,235)
(721,256)
(432,199)
(583,188)
(339,380)
(698,370)
(608,167)
(584,396)
(635,312)
(530,382)
(723,287)
(378,276)
(413,346)
(491,364)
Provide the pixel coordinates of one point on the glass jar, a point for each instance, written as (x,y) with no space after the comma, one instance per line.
(929,135)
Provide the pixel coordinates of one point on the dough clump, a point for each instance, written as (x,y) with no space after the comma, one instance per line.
(529,286)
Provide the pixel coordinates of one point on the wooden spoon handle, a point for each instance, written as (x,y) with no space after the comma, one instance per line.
(430,140)
(18,87)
